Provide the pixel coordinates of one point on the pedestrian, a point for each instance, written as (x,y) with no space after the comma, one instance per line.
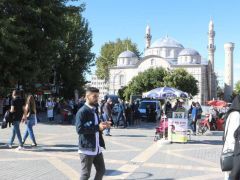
(16,111)
(6,103)
(232,120)
(194,118)
(29,117)
(168,109)
(121,113)
(136,113)
(128,115)
(107,115)
(89,130)
(50,106)
(101,108)
(199,114)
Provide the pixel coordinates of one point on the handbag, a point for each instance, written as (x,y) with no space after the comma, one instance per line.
(4,125)
(226,158)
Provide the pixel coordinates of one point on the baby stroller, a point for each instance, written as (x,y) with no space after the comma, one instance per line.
(161,129)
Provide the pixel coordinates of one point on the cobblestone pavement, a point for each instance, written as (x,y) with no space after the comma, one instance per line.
(131,154)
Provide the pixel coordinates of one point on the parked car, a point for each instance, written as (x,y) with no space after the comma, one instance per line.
(145,103)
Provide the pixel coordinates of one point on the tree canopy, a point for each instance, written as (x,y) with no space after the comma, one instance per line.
(145,81)
(237,87)
(182,80)
(159,77)
(39,37)
(109,54)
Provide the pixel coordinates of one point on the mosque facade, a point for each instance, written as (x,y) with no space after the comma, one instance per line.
(169,54)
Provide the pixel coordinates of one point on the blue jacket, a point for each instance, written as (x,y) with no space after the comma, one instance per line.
(194,113)
(86,129)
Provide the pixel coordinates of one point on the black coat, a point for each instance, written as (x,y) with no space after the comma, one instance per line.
(86,129)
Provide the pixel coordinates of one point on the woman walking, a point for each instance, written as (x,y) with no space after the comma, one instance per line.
(30,119)
(16,112)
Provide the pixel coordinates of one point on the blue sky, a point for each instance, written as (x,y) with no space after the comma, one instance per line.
(184,20)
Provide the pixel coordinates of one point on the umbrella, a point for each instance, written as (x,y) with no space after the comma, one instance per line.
(217,103)
(164,93)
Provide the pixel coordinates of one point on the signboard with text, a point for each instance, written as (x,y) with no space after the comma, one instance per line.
(177,127)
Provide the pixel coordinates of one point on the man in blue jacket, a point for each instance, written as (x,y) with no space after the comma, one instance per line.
(89,130)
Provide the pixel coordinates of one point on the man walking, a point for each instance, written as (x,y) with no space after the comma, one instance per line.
(121,113)
(107,115)
(90,130)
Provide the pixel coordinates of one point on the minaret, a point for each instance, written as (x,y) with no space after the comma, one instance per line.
(228,82)
(148,37)
(211,49)
(211,46)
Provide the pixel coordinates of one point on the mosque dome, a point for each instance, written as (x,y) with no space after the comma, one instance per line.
(189,52)
(189,56)
(166,42)
(127,54)
(127,58)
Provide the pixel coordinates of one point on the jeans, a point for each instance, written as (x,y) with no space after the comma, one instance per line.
(194,125)
(16,130)
(121,117)
(29,130)
(86,165)
(105,118)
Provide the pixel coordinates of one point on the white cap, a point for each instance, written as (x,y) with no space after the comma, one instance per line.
(211,25)
(148,31)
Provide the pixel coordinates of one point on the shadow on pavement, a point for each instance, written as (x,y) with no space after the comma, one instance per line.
(140,175)
(4,146)
(110,172)
(210,142)
(54,148)
(131,136)
(137,175)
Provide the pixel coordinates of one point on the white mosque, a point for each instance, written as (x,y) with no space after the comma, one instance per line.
(169,54)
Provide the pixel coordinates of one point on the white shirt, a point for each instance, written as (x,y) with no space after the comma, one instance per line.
(233,121)
(98,149)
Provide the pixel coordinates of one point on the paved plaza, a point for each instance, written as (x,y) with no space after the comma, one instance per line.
(131,154)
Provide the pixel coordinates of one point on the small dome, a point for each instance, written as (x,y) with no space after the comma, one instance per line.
(127,54)
(189,52)
(166,42)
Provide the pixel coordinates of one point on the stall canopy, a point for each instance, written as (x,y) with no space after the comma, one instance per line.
(165,93)
(217,103)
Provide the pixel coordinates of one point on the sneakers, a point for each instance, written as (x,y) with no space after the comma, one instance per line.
(9,146)
(108,135)
(20,148)
(34,145)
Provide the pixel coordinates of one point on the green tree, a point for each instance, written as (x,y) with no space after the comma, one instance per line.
(109,54)
(76,56)
(237,87)
(220,92)
(146,81)
(39,36)
(182,80)
(121,92)
(159,77)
